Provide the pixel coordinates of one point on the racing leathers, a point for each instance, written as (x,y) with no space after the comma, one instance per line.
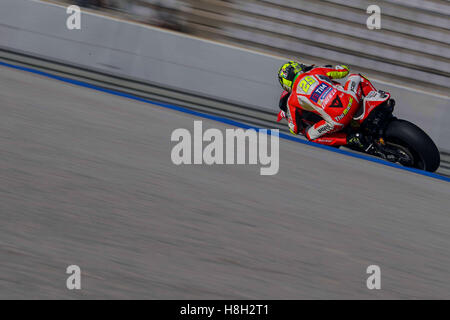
(316,92)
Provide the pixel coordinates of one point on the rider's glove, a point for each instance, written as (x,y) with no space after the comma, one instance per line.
(339,72)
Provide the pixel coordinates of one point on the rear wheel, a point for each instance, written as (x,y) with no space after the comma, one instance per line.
(417,147)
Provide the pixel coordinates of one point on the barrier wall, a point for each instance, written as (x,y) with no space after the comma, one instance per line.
(177,61)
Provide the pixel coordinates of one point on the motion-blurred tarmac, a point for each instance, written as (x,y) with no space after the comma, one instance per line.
(87,179)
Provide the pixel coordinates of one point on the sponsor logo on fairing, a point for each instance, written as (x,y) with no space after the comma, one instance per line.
(382,94)
(325,95)
(326,98)
(319,91)
(371,94)
(324,128)
(344,113)
(324,140)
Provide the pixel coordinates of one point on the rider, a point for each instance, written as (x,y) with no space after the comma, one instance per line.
(312,89)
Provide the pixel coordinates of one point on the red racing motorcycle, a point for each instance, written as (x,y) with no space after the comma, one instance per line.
(389,138)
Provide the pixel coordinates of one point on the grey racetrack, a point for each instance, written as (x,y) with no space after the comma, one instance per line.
(87,179)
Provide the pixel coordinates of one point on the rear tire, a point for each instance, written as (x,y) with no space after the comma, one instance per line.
(426,154)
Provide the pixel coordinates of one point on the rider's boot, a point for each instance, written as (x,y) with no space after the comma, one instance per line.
(360,142)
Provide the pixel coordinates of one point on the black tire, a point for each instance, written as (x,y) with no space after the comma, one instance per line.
(426,154)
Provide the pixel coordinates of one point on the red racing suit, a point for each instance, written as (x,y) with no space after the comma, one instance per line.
(315,91)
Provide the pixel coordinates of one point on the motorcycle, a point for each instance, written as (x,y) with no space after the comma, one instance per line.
(388,137)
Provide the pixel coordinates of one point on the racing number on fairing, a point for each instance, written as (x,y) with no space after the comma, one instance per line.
(306,83)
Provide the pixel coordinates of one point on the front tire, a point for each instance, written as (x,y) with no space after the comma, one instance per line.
(425,154)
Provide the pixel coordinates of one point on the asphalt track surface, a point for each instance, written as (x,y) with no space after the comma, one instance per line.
(87,179)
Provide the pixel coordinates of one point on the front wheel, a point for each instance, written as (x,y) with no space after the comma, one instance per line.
(414,143)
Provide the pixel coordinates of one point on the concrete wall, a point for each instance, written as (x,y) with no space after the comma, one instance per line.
(177,61)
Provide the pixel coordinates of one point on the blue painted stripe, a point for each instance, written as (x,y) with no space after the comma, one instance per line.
(224,120)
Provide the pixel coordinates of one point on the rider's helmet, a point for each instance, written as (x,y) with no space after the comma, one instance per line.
(287,73)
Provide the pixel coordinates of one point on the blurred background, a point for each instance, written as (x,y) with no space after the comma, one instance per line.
(412,45)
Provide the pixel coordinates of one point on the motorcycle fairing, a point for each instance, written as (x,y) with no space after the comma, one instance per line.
(370,102)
